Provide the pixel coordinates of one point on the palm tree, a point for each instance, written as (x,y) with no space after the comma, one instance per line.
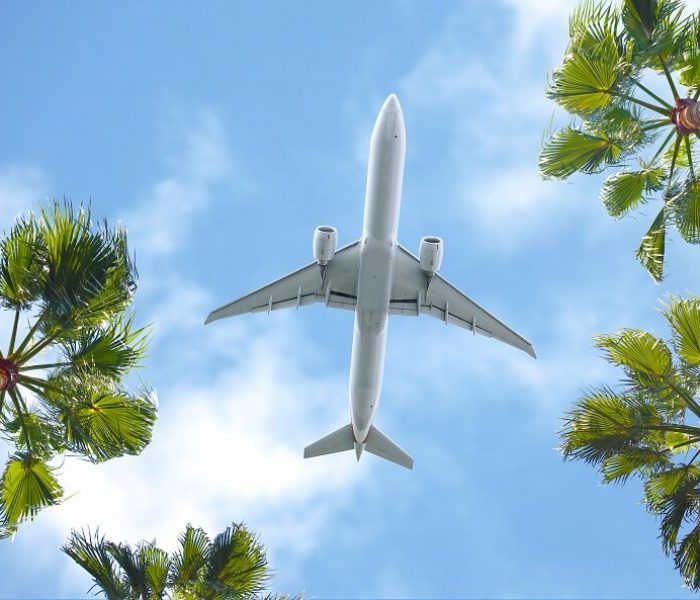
(232,565)
(650,427)
(60,378)
(619,122)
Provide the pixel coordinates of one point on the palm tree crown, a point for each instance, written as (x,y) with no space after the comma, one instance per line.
(603,83)
(60,379)
(231,566)
(650,427)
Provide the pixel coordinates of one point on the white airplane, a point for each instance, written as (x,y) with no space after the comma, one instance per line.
(375,277)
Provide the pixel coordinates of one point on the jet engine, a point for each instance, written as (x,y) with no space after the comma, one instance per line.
(430,255)
(325,241)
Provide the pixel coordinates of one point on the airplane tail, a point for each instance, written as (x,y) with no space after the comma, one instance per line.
(376,442)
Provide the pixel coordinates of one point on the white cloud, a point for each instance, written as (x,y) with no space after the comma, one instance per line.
(199,160)
(21,186)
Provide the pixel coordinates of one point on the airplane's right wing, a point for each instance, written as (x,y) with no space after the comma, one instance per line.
(411,295)
(335,284)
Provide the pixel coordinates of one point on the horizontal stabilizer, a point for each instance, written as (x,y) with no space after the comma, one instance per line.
(338,441)
(379,444)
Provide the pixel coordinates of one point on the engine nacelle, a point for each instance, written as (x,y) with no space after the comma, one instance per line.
(430,255)
(325,241)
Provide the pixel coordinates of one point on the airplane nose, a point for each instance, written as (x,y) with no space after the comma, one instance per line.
(392,103)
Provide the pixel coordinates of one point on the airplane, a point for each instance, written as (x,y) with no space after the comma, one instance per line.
(375,277)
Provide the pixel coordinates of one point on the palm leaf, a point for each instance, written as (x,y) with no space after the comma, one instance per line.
(112,350)
(687,559)
(155,564)
(653,247)
(643,355)
(585,81)
(624,191)
(133,576)
(684,318)
(570,150)
(599,426)
(188,562)
(686,211)
(619,467)
(653,25)
(236,563)
(90,552)
(104,425)
(27,486)
(22,257)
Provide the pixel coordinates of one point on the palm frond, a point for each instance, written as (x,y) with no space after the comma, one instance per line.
(653,247)
(27,486)
(643,355)
(132,575)
(190,559)
(112,349)
(236,563)
(91,553)
(685,207)
(155,565)
(599,426)
(687,559)
(570,150)
(684,317)
(22,260)
(625,190)
(653,26)
(643,460)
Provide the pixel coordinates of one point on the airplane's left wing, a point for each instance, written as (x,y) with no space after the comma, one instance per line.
(411,295)
(335,284)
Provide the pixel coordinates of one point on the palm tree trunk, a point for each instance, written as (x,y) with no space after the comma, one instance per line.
(686,116)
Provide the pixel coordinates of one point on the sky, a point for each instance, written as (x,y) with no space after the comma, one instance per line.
(220,134)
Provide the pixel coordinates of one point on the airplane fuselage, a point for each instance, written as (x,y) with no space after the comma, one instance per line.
(377,254)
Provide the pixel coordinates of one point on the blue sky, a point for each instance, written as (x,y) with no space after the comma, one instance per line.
(221,134)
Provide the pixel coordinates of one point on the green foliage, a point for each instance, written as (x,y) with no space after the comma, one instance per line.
(626,190)
(612,49)
(73,283)
(232,566)
(650,428)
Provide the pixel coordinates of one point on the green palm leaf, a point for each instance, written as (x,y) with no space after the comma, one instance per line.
(22,276)
(624,191)
(653,25)
(619,467)
(643,355)
(190,559)
(28,485)
(686,211)
(653,247)
(570,150)
(236,564)
(90,552)
(599,426)
(112,350)
(687,558)
(684,317)
(155,564)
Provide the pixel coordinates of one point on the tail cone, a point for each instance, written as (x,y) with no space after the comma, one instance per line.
(359,447)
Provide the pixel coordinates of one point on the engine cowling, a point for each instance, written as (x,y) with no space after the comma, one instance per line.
(325,241)
(430,254)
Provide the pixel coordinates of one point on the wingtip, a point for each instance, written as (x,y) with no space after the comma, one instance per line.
(209,319)
(531,352)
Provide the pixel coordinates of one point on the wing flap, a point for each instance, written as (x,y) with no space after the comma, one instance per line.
(335,284)
(414,294)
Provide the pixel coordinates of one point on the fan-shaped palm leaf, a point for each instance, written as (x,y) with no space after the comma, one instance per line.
(686,211)
(644,355)
(687,558)
(653,247)
(190,559)
(624,190)
(155,564)
(91,553)
(684,317)
(236,564)
(28,485)
(22,276)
